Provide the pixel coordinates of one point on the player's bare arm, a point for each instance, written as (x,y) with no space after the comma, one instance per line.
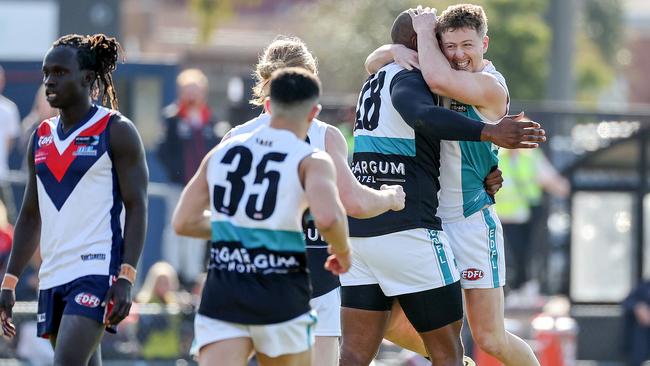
(26,238)
(359,201)
(420,111)
(473,88)
(132,176)
(388,53)
(188,218)
(318,176)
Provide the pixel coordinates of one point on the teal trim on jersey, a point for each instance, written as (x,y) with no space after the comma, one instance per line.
(492,246)
(277,240)
(476,159)
(310,327)
(439,250)
(384,145)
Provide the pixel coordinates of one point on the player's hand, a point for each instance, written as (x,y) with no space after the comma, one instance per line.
(7,301)
(399,196)
(494,181)
(424,20)
(514,132)
(338,263)
(120,295)
(405,57)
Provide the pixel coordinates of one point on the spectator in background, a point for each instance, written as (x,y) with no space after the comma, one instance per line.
(9,132)
(190,132)
(159,332)
(6,237)
(41,110)
(637,324)
(526,173)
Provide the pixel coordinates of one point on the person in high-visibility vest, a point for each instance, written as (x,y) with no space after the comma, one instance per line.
(527,173)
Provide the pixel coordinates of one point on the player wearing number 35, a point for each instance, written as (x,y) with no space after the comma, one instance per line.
(257,186)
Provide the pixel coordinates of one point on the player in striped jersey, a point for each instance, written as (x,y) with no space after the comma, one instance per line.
(455,69)
(258,185)
(85,204)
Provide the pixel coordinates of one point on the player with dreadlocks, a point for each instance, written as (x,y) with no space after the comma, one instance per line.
(86,166)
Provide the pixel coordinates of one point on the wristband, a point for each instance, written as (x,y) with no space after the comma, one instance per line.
(127,272)
(9,282)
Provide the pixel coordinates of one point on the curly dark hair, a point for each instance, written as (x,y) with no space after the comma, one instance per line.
(98,53)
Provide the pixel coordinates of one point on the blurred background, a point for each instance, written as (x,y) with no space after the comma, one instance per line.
(574,212)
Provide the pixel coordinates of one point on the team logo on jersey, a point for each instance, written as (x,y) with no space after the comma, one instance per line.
(40,317)
(86,140)
(472,274)
(93,257)
(458,107)
(242,261)
(87,299)
(45,140)
(40,156)
(366,171)
(84,150)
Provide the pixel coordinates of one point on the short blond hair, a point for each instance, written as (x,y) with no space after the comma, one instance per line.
(463,16)
(282,52)
(192,76)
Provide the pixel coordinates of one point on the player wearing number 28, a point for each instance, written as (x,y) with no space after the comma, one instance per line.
(405,255)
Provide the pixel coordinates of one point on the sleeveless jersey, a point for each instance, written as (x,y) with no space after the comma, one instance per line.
(257,272)
(387,150)
(79,199)
(465,164)
(322,280)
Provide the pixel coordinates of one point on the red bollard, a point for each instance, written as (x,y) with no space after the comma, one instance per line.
(556,340)
(483,359)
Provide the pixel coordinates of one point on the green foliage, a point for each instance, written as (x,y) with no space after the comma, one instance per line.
(603,24)
(211,13)
(597,42)
(342,33)
(520,41)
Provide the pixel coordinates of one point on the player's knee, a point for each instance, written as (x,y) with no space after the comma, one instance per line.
(67,358)
(447,356)
(354,357)
(493,343)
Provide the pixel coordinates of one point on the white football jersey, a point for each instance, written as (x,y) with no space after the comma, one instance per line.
(79,200)
(315,134)
(255,185)
(465,164)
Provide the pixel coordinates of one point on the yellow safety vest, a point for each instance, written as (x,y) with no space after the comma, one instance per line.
(521,189)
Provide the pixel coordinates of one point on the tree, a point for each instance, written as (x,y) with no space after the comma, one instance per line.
(598,40)
(342,33)
(212,12)
(603,24)
(519,44)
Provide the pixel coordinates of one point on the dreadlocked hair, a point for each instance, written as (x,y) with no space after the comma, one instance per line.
(99,54)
